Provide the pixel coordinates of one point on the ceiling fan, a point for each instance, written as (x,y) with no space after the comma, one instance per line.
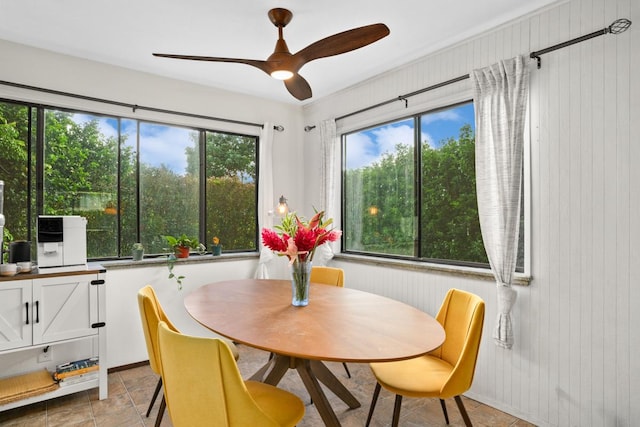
(284,65)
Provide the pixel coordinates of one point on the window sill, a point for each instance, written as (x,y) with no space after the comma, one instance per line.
(162,259)
(519,278)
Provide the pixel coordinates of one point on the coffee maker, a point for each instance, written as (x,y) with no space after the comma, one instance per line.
(62,243)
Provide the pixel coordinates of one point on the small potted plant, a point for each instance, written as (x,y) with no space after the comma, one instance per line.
(216,248)
(181,246)
(137,251)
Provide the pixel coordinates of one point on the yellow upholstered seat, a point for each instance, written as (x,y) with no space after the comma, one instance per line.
(203,387)
(445,372)
(151,313)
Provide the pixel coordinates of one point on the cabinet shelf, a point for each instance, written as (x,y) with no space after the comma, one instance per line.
(60,391)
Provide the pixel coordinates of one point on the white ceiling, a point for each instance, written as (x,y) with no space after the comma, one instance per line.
(126,32)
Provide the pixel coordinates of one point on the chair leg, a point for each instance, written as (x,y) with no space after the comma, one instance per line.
(444,410)
(396,411)
(346,369)
(163,406)
(374,400)
(155,395)
(463,412)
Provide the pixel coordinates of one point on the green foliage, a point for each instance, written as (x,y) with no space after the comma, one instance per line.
(380,198)
(227,155)
(451,228)
(14,124)
(171,263)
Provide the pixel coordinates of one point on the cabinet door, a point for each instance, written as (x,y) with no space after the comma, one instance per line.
(63,308)
(15,314)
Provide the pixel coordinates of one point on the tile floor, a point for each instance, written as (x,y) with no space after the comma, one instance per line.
(130,392)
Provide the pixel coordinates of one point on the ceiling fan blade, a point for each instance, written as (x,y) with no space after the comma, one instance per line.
(298,87)
(265,66)
(343,42)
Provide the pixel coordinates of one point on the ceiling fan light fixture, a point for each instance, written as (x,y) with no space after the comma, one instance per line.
(282,65)
(281,74)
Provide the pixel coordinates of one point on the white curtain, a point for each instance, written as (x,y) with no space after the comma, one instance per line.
(500,100)
(329,181)
(265,197)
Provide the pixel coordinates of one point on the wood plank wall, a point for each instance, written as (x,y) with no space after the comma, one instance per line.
(575,361)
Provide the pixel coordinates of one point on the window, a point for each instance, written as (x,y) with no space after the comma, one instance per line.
(81,174)
(15,123)
(133,180)
(169,184)
(409,189)
(231,189)
(379,204)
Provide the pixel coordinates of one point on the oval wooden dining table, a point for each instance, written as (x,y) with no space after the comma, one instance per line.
(338,325)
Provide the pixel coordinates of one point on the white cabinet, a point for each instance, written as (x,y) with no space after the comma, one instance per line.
(38,311)
(15,314)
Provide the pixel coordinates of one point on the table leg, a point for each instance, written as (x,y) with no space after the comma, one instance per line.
(280,367)
(327,378)
(260,373)
(310,381)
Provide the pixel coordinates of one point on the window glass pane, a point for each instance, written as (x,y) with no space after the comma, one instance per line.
(231,190)
(14,134)
(450,228)
(169,191)
(80,174)
(128,185)
(379,190)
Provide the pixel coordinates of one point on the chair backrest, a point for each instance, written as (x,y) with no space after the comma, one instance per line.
(327,275)
(462,317)
(202,383)
(151,314)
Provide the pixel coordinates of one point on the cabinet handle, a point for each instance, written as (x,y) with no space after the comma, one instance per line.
(26,307)
(37,311)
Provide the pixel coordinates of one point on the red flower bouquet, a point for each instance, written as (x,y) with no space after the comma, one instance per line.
(297,239)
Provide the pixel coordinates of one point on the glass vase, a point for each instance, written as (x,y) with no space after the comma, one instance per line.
(300,276)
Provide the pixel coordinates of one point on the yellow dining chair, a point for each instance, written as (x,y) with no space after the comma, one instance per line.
(151,313)
(445,372)
(203,387)
(329,276)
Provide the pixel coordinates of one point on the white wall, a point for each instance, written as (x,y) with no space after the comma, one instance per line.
(125,340)
(575,360)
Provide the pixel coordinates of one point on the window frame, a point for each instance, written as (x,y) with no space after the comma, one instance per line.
(415,112)
(35,144)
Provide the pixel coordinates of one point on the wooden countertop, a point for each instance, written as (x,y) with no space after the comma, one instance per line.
(43,273)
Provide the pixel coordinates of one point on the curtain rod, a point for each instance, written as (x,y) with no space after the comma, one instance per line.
(134,107)
(618,26)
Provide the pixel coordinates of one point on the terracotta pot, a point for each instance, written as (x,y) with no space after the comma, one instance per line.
(182,252)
